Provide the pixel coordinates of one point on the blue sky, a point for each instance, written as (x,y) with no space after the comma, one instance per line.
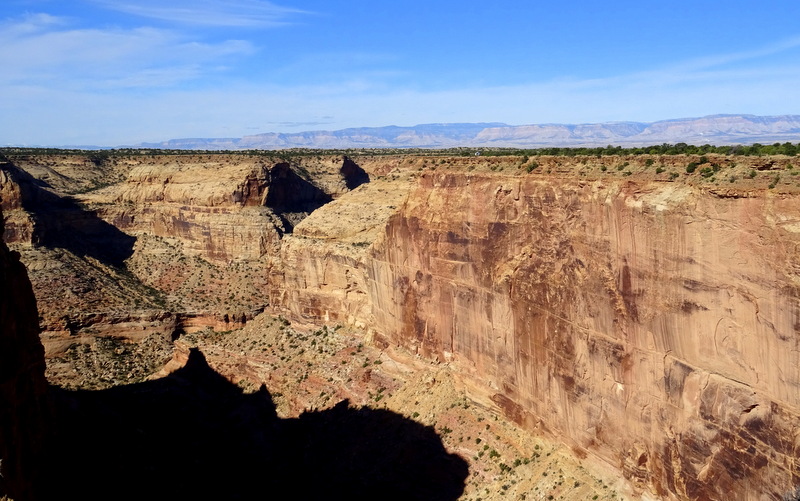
(114,72)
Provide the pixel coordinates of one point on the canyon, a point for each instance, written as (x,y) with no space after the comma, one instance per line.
(624,313)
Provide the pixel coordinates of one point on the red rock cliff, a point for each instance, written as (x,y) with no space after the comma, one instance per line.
(652,324)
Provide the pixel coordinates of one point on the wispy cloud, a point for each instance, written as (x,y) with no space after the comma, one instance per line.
(44,50)
(717,60)
(227,13)
(28,24)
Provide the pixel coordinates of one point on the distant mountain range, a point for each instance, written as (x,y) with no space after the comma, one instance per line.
(715,129)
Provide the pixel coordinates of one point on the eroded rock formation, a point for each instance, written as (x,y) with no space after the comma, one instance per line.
(649,322)
(654,325)
(179,243)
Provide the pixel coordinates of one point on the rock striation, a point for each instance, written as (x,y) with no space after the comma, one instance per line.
(218,214)
(654,325)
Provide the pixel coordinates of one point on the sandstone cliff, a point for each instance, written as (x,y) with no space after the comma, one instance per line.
(640,313)
(652,324)
(321,272)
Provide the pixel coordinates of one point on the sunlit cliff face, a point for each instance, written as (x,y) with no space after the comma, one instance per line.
(652,324)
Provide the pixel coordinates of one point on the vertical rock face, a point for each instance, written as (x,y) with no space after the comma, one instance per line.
(41,217)
(216,211)
(652,324)
(22,383)
(322,272)
(18,226)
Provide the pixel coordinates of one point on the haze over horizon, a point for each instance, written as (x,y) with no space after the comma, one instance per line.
(106,73)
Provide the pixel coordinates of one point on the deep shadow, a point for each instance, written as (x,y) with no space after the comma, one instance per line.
(194,435)
(353,175)
(291,197)
(60,222)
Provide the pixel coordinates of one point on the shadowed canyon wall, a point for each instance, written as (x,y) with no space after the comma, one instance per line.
(22,383)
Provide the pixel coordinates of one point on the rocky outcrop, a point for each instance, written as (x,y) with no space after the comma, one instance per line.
(41,217)
(18,225)
(226,209)
(22,383)
(213,212)
(179,243)
(321,274)
(654,325)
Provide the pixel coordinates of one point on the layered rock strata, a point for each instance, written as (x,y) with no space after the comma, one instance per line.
(215,213)
(321,276)
(181,243)
(654,325)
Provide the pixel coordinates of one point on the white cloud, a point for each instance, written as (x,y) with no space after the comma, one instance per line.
(707,62)
(228,13)
(43,50)
(28,24)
